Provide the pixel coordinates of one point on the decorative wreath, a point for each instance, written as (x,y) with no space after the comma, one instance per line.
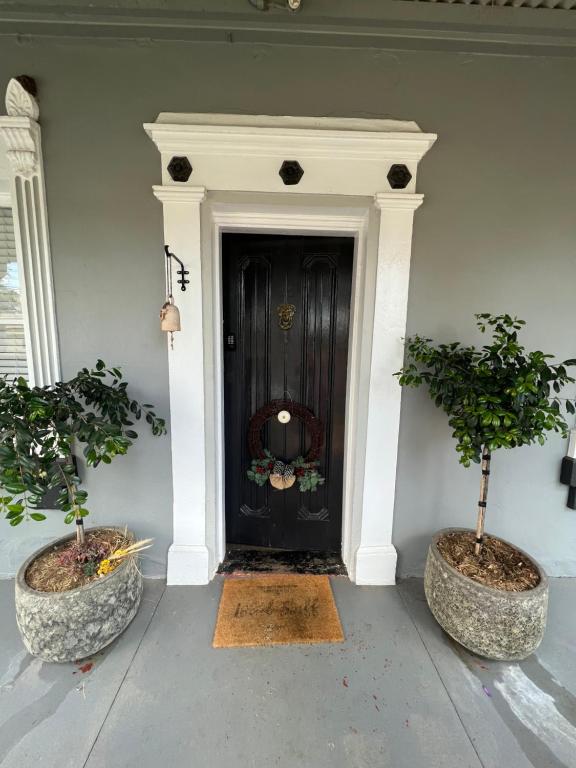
(282,475)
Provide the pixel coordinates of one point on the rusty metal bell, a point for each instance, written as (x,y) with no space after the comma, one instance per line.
(169,317)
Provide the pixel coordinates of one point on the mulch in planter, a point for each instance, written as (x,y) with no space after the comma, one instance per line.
(56,571)
(499,565)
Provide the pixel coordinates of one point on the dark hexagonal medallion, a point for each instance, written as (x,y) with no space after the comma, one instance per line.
(399,177)
(291,172)
(179,169)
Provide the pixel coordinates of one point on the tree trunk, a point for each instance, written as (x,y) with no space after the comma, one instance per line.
(486,456)
(79,530)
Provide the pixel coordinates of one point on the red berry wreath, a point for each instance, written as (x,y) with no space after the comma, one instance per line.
(267,467)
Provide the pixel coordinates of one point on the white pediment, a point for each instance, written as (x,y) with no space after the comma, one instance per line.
(244,152)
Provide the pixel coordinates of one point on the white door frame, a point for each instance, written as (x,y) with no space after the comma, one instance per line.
(294,221)
(235,161)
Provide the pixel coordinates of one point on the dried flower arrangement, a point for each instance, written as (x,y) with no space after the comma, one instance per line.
(72,565)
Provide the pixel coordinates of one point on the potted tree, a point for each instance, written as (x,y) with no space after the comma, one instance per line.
(76,595)
(486,593)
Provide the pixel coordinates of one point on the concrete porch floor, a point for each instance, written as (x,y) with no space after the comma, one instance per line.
(398,693)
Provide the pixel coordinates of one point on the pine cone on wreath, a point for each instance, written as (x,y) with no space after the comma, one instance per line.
(279,468)
(282,476)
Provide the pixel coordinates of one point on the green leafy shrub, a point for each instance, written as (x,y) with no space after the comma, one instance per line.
(496,396)
(39,427)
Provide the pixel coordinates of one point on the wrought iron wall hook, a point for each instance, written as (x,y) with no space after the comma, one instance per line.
(181,271)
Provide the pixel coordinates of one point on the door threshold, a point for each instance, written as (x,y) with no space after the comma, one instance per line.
(242,559)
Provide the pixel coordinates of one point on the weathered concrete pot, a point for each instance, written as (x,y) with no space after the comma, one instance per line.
(490,622)
(66,626)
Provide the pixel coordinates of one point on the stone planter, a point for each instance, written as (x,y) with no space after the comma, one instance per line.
(66,626)
(492,623)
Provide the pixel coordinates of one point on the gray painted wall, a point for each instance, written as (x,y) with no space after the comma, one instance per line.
(496,233)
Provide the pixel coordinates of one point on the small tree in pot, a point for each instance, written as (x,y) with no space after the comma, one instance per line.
(39,429)
(497,396)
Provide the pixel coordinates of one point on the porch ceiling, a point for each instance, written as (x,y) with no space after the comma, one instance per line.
(389,24)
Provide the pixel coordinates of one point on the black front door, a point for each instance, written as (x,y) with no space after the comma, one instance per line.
(306,362)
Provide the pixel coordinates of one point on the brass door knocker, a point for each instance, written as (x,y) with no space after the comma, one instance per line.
(286,314)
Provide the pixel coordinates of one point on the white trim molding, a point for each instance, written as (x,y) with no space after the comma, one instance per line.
(21,134)
(235,186)
(376,557)
(244,153)
(188,557)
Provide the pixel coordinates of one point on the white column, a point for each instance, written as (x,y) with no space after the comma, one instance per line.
(376,555)
(188,557)
(21,134)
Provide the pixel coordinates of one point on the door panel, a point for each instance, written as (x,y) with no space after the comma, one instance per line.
(306,363)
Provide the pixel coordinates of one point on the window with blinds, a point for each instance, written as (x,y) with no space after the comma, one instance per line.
(12,339)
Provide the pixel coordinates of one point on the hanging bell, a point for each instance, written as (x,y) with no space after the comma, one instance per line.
(169,317)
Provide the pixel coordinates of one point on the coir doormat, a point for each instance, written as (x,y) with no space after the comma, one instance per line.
(277,609)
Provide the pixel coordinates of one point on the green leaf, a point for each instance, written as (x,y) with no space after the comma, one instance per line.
(38,516)
(497,394)
(13,487)
(16,520)
(39,425)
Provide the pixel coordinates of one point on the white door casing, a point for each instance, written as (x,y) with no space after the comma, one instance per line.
(235,186)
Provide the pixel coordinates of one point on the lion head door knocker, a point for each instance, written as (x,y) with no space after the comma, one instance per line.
(286,314)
